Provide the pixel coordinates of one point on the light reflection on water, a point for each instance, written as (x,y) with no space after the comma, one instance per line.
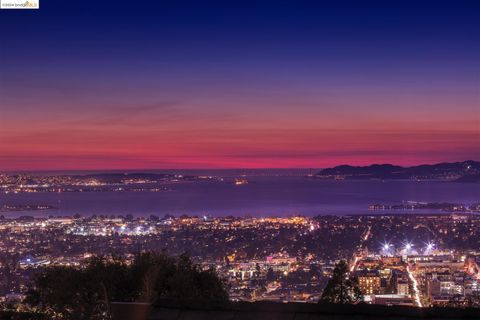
(264,195)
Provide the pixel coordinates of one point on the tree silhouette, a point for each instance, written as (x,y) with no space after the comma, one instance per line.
(341,288)
(473,300)
(86,293)
(271,275)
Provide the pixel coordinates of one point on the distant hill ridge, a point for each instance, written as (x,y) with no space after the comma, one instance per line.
(466,171)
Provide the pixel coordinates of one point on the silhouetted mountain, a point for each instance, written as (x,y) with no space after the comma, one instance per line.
(466,171)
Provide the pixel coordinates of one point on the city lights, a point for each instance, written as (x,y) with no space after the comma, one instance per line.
(239,159)
(416,292)
(387,248)
(429,247)
(407,273)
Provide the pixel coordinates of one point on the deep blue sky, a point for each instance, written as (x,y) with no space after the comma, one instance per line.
(247,83)
(209,30)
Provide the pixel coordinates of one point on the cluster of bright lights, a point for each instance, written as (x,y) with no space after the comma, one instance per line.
(429,247)
(408,247)
(416,291)
(386,248)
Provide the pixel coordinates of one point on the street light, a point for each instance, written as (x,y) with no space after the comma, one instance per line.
(429,247)
(386,248)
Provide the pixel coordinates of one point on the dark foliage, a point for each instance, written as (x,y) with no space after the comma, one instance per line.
(15,315)
(340,288)
(86,293)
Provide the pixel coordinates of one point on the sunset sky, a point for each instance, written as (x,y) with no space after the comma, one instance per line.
(175,84)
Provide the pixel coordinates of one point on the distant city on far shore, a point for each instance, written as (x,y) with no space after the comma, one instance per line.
(184,160)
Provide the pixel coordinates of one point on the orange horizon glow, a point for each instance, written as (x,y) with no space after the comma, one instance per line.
(145,147)
(290,86)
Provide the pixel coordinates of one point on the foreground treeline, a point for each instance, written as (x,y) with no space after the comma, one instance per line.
(342,288)
(87,293)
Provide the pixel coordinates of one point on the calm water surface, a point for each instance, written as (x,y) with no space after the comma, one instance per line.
(263,196)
